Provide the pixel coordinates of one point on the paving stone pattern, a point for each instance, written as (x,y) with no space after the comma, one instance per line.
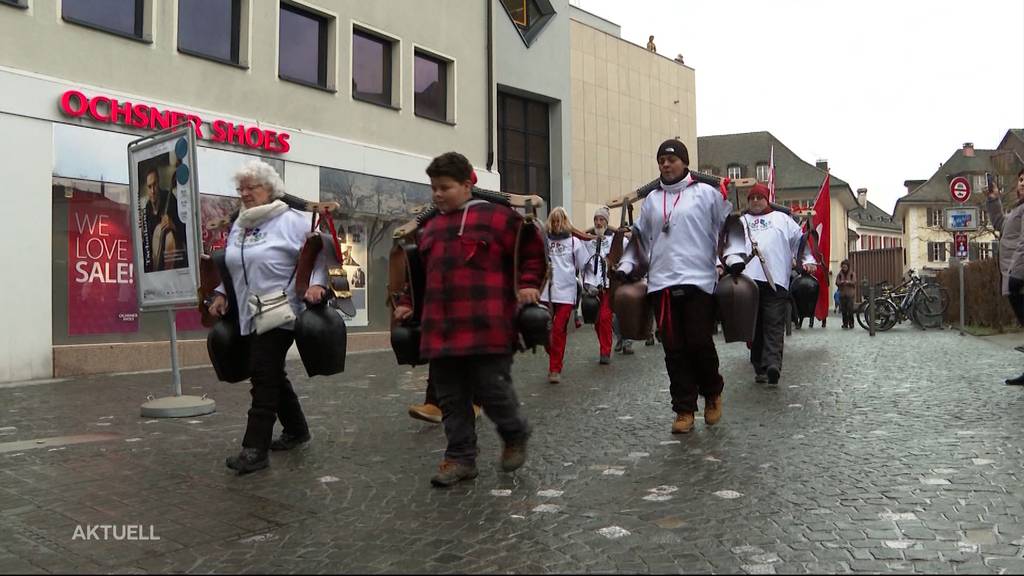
(899,453)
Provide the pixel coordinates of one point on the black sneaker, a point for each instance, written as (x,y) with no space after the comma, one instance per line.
(605,360)
(1018,381)
(286,441)
(773,375)
(761,378)
(618,345)
(248,460)
(514,455)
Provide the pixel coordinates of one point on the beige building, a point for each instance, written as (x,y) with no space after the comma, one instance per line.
(348,99)
(626,101)
(928,245)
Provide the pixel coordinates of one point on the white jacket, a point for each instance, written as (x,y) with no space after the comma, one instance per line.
(687,252)
(271,253)
(568,256)
(595,273)
(778,238)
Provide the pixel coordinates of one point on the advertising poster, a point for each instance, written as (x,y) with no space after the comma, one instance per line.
(165,218)
(101,289)
(352,239)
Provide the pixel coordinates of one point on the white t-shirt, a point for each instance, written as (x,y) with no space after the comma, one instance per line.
(568,256)
(271,253)
(778,238)
(595,273)
(687,252)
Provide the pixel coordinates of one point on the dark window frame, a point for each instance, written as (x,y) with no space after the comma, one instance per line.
(323,27)
(503,159)
(140,23)
(443,65)
(543,13)
(388,98)
(236,38)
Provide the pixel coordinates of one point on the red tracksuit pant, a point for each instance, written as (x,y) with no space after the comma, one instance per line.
(559,324)
(603,327)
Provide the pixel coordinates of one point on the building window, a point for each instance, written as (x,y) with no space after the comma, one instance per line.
(937,252)
(734,172)
(302,46)
(709,170)
(984,216)
(431,86)
(210,28)
(371,68)
(529,16)
(979,184)
(979,250)
(761,171)
(523,146)
(122,17)
(934,217)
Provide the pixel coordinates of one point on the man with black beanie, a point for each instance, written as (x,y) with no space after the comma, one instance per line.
(677,235)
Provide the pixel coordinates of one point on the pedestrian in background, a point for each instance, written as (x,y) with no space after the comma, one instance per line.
(568,256)
(1011,250)
(846,287)
(595,281)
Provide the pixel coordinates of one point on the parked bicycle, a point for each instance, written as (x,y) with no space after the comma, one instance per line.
(923,303)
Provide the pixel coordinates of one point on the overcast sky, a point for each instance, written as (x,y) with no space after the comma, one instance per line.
(884,90)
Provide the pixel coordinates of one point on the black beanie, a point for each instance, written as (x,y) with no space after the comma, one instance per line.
(675,148)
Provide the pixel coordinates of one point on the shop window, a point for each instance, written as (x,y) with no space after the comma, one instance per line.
(431,86)
(121,17)
(523,146)
(529,16)
(371,68)
(303,46)
(210,28)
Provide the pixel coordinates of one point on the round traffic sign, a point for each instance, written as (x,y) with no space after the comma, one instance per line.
(960,189)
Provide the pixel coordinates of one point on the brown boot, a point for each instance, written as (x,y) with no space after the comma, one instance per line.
(683,423)
(712,410)
(426,412)
(451,472)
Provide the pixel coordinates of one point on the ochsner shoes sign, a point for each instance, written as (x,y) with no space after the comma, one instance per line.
(100,108)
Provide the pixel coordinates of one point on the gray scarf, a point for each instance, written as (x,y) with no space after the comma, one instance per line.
(253,217)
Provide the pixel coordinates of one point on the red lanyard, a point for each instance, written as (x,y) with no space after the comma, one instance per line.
(665,212)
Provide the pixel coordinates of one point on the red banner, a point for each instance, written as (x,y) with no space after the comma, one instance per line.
(821,224)
(101,287)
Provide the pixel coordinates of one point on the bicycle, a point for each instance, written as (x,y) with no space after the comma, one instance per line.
(923,303)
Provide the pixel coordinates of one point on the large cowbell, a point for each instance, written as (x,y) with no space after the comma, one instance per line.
(633,311)
(227,347)
(736,296)
(804,289)
(322,340)
(590,306)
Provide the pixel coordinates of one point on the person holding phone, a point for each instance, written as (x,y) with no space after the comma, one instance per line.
(1011,248)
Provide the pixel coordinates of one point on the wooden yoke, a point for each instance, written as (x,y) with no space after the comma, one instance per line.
(209,275)
(406,275)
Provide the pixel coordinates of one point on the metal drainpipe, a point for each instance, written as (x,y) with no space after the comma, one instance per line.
(490,84)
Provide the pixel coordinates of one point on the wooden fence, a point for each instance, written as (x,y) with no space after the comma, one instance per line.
(876,266)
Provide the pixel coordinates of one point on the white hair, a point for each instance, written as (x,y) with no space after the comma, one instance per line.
(259,172)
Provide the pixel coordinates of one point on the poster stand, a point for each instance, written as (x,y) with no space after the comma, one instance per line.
(167,280)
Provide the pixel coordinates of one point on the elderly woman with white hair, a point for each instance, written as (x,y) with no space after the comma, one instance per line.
(261,255)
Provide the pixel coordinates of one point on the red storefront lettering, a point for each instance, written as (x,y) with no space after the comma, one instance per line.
(76,104)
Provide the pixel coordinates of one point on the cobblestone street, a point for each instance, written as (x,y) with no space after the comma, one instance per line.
(899,453)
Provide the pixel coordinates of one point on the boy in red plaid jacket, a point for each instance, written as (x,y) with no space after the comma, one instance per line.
(469,310)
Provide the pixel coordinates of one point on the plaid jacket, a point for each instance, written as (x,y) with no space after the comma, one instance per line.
(469,306)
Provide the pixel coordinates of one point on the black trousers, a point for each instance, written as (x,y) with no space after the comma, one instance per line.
(770,330)
(686,321)
(487,380)
(1017,303)
(273,397)
(846,306)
